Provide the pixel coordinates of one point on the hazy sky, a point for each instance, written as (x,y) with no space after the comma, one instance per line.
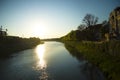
(50,18)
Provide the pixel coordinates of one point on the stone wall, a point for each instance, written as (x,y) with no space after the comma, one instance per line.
(114,21)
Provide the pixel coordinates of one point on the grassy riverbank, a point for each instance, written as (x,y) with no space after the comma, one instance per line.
(105,55)
(9,45)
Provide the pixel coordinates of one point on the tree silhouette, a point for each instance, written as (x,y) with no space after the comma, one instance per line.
(105,28)
(90,20)
(81,27)
(1,28)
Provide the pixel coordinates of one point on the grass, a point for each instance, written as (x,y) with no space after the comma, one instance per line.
(105,55)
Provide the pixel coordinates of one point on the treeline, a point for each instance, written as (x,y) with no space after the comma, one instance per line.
(98,33)
(91,33)
(95,44)
(51,39)
(12,44)
(89,30)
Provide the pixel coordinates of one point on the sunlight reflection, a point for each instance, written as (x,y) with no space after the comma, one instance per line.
(41,64)
(40,54)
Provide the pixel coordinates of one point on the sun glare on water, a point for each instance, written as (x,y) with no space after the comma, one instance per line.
(41,64)
(40,54)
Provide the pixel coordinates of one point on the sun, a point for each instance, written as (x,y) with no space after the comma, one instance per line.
(38,30)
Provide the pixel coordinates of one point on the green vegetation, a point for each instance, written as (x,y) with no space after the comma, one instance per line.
(96,48)
(91,33)
(94,43)
(10,44)
(104,55)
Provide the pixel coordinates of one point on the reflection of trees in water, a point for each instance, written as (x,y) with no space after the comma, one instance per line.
(87,69)
(74,52)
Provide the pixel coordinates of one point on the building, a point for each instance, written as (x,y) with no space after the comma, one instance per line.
(3,32)
(114,21)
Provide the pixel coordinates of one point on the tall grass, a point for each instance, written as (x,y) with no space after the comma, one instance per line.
(105,55)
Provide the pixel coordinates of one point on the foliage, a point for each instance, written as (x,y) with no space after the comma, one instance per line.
(88,34)
(105,55)
(11,44)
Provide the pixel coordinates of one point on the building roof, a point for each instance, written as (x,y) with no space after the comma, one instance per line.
(116,9)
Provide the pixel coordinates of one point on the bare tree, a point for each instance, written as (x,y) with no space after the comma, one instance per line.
(81,27)
(90,20)
(105,22)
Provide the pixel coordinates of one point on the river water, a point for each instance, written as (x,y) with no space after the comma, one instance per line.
(48,61)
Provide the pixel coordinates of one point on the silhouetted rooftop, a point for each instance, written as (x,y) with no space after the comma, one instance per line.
(118,8)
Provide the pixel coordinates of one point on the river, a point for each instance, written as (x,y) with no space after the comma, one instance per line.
(48,61)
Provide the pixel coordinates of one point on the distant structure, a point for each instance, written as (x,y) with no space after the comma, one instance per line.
(3,32)
(114,21)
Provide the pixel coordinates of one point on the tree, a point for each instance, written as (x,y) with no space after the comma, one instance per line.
(81,27)
(90,20)
(1,28)
(105,22)
(105,28)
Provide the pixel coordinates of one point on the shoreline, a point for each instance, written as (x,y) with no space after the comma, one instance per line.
(10,45)
(97,54)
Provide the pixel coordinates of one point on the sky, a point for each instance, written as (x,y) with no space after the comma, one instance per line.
(50,18)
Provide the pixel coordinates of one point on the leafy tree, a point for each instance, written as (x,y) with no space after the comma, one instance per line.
(90,20)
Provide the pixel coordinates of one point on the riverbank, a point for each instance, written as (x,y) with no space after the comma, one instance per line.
(105,55)
(10,45)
